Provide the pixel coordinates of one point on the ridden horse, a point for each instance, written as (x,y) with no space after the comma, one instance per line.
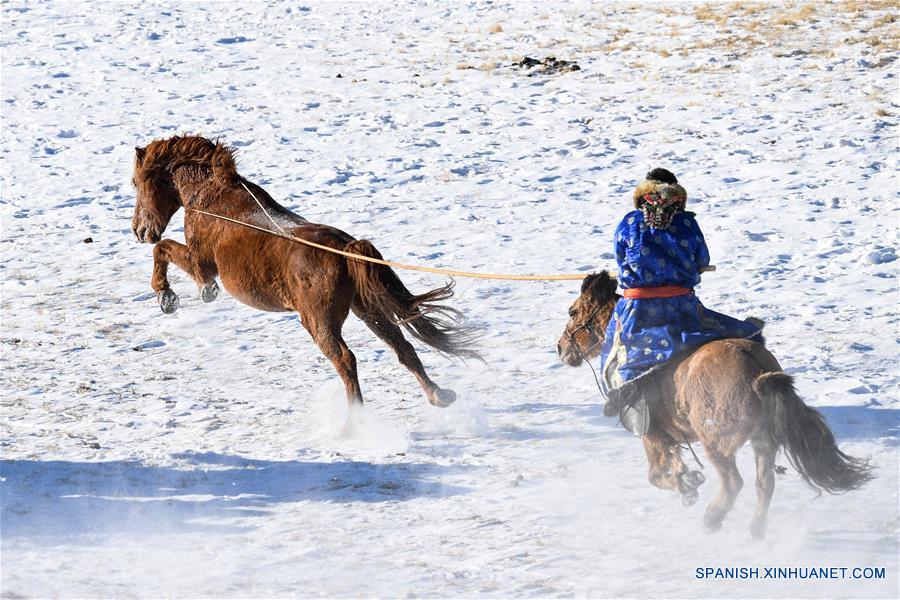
(723,394)
(274,274)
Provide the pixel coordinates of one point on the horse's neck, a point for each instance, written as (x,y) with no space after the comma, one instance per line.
(188,179)
(605,313)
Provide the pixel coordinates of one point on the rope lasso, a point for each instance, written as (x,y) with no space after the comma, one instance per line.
(388,263)
(451,272)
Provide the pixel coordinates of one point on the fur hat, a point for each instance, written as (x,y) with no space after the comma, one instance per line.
(662,182)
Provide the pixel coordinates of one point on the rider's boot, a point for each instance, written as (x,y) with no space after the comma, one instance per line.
(632,407)
(635,416)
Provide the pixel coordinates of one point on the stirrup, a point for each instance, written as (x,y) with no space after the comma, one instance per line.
(635,417)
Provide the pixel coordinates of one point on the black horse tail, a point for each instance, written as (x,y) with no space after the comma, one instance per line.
(379,289)
(805,437)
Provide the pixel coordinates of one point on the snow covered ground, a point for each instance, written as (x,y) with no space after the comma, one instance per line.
(200,455)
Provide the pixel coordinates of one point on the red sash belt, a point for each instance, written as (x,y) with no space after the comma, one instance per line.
(663,291)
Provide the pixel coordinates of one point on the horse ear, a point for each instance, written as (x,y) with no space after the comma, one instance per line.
(139,153)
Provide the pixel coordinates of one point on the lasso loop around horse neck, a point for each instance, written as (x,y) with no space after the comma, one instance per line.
(263,209)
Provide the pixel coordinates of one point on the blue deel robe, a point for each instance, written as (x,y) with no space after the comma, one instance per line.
(645,333)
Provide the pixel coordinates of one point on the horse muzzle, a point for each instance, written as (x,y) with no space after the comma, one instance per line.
(568,354)
(146,235)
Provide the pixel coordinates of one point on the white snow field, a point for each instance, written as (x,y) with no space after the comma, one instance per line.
(200,454)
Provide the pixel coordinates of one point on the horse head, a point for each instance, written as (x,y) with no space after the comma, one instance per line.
(156,183)
(156,198)
(588,318)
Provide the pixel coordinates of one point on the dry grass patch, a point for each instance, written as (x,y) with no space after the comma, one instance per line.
(748,8)
(753,26)
(825,53)
(877,43)
(706,13)
(856,6)
(806,13)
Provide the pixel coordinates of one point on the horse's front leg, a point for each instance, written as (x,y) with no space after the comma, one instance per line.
(667,470)
(170,251)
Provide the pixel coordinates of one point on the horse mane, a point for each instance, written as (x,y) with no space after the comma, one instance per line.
(165,156)
(602,286)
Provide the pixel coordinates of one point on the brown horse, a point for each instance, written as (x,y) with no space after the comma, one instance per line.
(723,394)
(274,274)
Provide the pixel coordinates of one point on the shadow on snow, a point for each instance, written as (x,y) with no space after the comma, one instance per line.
(863,423)
(60,501)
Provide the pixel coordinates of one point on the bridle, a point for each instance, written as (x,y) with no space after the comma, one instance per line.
(588,326)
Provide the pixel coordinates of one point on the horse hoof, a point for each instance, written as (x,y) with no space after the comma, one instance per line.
(711,524)
(210,291)
(168,301)
(689,498)
(757,532)
(693,479)
(711,527)
(443,398)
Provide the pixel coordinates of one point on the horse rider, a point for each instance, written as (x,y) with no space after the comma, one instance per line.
(660,252)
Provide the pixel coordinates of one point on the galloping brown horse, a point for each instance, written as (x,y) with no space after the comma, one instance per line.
(724,394)
(274,274)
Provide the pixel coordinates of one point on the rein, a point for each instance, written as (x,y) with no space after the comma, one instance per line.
(691,448)
(589,326)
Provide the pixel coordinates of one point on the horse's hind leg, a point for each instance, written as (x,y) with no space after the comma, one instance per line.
(389,332)
(765,450)
(326,332)
(731,484)
(170,251)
